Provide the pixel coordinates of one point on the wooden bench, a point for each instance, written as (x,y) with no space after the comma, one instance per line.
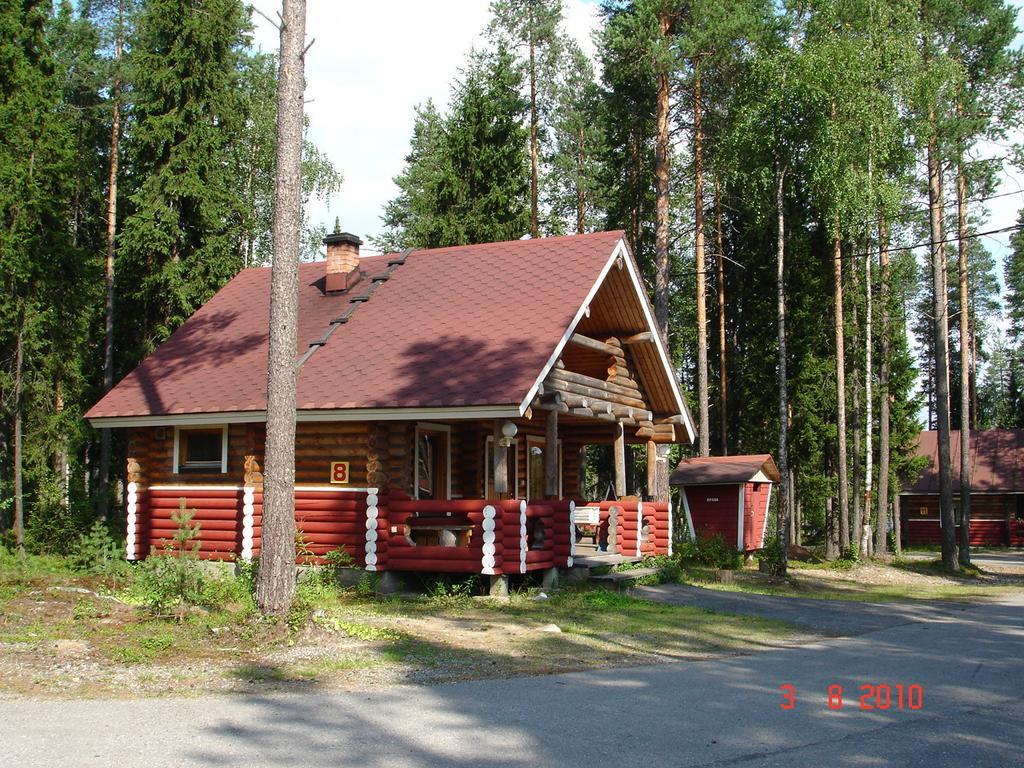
(589,518)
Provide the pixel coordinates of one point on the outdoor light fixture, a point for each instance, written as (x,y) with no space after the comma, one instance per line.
(508,431)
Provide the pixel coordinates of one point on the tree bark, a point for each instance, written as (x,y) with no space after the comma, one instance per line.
(780,299)
(661,237)
(940,351)
(698,254)
(869,458)
(661,207)
(275,587)
(19,502)
(581,196)
(881,538)
(840,331)
(534,151)
(103,495)
(723,384)
(965,366)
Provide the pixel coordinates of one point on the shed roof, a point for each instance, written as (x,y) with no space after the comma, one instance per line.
(724,470)
(465,327)
(997,462)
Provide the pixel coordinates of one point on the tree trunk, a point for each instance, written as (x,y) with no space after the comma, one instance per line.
(881,537)
(275,587)
(61,467)
(661,207)
(103,494)
(19,502)
(723,392)
(780,300)
(940,352)
(869,458)
(661,238)
(965,366)
(698,252)
(581,196)
(897,524)
(840,331)
(534,151)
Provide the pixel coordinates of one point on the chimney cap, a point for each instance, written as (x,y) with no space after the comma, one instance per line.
(338,238)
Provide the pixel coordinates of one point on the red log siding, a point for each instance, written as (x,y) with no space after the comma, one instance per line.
(540,555)
(660,542)
(218,512)
(994,520)
(380,454)
(642,527)
(755,514)
(714,509)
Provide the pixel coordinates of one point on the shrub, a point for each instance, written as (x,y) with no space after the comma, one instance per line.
(713,552)
(452,592)
(367,584)
(174,578)
(54,523)
(98,552)
(771,557)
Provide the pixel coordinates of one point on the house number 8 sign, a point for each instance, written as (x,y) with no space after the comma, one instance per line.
(339,472)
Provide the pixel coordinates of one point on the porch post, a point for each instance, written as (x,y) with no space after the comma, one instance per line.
(499,469)
(551,455)
(620,462)
(652,469)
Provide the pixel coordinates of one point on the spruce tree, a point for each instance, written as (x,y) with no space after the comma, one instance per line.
(181,238)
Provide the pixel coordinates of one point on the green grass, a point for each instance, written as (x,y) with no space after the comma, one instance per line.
(970,585)
(445,634)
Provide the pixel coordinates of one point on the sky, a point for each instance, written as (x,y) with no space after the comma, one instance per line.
(372,62)
(370,65)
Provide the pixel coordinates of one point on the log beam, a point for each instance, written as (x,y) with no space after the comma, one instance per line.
(500,468)
(594,345)
(652,468)
(551,455)
(620,463)
(639,338)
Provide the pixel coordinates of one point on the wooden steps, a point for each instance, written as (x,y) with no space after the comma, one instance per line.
(603,559)
(623,579)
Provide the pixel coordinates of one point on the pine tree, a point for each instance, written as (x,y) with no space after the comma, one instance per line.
(532,25)
(572,188)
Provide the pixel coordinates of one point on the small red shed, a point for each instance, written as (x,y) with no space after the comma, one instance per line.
(727,495)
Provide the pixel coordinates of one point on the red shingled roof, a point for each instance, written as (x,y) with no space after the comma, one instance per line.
(461,326)
(723,470)
(997,461)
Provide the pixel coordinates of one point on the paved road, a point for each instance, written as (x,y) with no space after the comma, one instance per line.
(969,662)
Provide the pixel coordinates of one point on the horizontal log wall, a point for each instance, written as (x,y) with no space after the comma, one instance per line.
(151,458)
(636,528)
(217,512)
(993,520)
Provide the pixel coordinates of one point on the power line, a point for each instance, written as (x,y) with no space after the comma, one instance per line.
(910,211)
(929,243)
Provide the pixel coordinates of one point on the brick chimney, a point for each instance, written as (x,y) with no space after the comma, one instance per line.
(342,260)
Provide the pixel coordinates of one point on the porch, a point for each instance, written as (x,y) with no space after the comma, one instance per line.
(388,531)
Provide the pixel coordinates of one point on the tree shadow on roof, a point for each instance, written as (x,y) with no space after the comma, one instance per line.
(463,370)
(197,349)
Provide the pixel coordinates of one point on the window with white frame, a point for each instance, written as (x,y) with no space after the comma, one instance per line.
(201,449)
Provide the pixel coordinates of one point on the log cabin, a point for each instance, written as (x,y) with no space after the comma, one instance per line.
(444,401)
(727,496)
(997,490)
